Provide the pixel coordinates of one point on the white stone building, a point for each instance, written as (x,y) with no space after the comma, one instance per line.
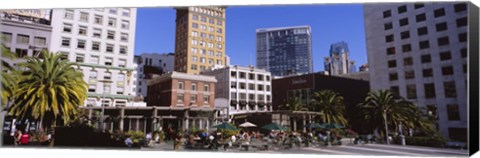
(101,41)
(247,89)
(420,52)
(149,64)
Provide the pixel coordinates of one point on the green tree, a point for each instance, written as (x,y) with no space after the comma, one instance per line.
(7,75)
(49,90)
(294,104)
(331,105)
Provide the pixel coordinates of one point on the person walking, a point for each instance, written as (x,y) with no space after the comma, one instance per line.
(17,137)
(177,141)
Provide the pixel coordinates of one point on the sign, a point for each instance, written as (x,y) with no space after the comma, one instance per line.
(36,13)
(298,81)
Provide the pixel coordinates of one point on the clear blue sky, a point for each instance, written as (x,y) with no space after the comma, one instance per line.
(330,23)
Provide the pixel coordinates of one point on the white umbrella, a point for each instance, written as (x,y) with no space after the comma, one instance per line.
(248,124)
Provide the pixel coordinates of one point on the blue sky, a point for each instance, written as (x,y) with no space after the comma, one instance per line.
(330,23)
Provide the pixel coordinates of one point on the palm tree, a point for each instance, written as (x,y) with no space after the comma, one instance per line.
(7,78)
(330,105)
(49,90)
(383,109)
(294,104)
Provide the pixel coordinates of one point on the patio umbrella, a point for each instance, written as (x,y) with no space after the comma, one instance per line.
(331,125)
(226,126)
(248,124)
(314,125)
(274,126)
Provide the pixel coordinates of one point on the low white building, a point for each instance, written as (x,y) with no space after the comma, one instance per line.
(247,89)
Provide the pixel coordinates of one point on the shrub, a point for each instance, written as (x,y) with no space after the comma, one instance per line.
(431,141)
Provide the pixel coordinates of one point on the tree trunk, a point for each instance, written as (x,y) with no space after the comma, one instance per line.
(52,140)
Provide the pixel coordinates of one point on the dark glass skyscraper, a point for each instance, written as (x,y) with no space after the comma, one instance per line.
(285,51)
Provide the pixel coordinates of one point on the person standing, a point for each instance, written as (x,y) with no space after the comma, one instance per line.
(25,138)
(17,137)
(177,141)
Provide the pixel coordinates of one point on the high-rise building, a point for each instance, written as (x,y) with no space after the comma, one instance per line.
(419,51)
(285,50)
(199,39)
(149,64)
(25,32)
(101,41)
(338,63)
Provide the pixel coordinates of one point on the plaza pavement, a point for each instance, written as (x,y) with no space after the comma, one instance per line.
(349,149)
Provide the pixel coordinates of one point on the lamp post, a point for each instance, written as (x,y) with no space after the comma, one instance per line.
(102,117)
(386,126)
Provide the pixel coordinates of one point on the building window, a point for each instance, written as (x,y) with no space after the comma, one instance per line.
(389,38)
(211,21)
(126,12)
(387,14)
(233,85)
(194,42)
(251,86)
(7,37)
(406,48)
(109,48)
(392,63)
(267,78)
(123,50)
(395,90)
(261,98)
(260,77)
(450,90)
(418,5)
(109,61)
(96,46)
(40,41)
(84,17)
(393,76)
(242,75)
(112,11)
(453,112)
(206,98)
(439,12)
(443,41)
(403,21)
(202,60)
(67,27)
(445,55)
(21,52)
(206,88)
(429,90)
(125,24)
(251,76)
(465,68)
(124,37)
(463,52)
(422,31)
(98,19)
(427,72)
(242,85)
(219,22)
(203,27)
(82,30)
(409,74)
(426,58)
(405,35)
(94,60)
(195,17)
(65,41)
(460,7)
(462,22)
(388,26)
(97,33)
(93,75)
(462,37)
(111,35)
(68,14)
(112,22)
(80,58)
(424,44)
(180,85)
(180,97)
(203,19)
(448,70)
(193,67)
(23,39)
(211,29)
(251,97)
(194,86)
(233,96)
(421,17)
(441,27)
(219,38)
(233,74)
(402,9)
(194,25)
(193,98)
(407,61)
(268,88)
(219,30)
(122,63)
(92,88)
(411,91)
(81,44)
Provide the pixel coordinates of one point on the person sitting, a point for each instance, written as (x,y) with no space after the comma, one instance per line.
(129,142)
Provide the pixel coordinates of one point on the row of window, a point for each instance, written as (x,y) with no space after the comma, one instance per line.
(450,90)
(96,33)
(410,74)
(204,28)
(207,11)
(204,60)
(94,59)
(437,12)
(193,98)
(204,52)
(204,44)
(251,86)
(181,85)
(251,76)
(204,35)
(446,55)
(24,39)
(95,46)
(92,88)
(462,37)
(84,16)
(243,96)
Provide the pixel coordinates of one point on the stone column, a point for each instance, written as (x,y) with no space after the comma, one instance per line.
(154,120)
(295,124)
(185,120)
(281,120)
(137,124)
(200,125)
(90,115)
(208,124)
(304,123)
(122,117)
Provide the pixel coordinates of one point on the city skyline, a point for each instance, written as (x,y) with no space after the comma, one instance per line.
(158,35)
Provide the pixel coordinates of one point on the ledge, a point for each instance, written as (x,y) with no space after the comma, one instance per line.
(105,67)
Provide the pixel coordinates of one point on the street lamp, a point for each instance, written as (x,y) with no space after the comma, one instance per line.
(102,117)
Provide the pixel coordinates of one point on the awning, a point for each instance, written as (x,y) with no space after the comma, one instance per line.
(243,103)
(233,102)
(252,103)
(261,103)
